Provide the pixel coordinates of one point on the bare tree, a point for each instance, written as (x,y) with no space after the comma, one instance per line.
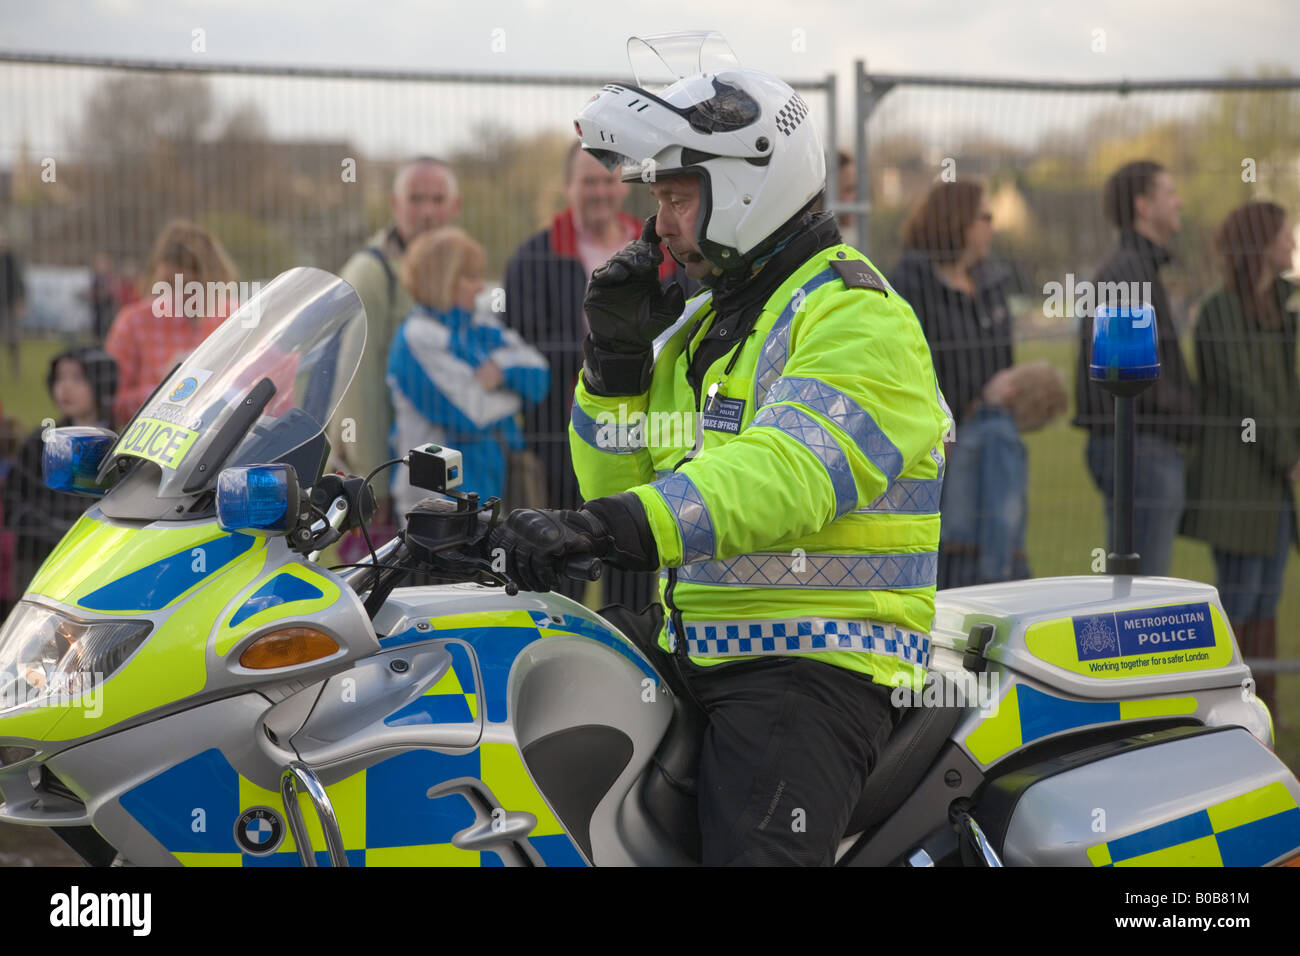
(127,114)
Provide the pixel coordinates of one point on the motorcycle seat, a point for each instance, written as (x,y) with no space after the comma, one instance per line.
(669,791)
(919,734)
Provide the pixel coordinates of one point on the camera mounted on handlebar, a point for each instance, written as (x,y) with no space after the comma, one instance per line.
(452,528)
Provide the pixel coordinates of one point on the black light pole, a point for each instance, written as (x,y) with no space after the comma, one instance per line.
(1125,363)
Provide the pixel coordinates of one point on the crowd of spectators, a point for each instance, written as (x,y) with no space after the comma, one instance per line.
(492,372)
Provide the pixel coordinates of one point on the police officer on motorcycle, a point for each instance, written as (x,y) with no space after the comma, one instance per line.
(774,444)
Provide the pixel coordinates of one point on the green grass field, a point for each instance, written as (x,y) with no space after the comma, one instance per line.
(26,399)
(1066,519)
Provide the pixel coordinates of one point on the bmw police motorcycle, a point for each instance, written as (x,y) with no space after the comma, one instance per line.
(184,683)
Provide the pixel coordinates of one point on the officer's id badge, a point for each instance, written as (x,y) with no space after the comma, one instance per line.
(723,414)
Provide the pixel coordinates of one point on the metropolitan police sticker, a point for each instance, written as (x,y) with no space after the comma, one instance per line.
(1154,630)
(259,831)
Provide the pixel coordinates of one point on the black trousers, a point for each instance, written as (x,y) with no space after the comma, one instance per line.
(786,754)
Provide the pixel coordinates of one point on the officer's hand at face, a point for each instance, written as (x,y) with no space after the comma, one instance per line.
(626,308)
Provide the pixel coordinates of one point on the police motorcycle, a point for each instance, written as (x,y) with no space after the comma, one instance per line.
(185,684)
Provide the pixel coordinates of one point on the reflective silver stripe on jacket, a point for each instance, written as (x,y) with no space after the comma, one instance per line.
(813,435)
(689,309)
(908,496)
(692,516)
(943,403)
(627,439)
(802,636)
(776,347)
(783,569)
(844,412)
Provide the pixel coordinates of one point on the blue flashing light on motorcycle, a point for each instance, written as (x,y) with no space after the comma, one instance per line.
(1125,361)
(257,498)
(1124,356)
(72,456)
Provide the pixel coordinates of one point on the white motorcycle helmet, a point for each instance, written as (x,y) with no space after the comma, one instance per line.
(746,134)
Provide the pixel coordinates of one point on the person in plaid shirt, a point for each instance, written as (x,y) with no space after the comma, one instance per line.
(150,336)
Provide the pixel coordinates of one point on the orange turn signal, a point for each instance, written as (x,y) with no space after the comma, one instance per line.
(284,648)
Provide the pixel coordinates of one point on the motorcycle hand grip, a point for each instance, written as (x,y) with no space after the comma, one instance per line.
(585,568)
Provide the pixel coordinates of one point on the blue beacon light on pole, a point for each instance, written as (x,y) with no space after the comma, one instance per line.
(1124,362)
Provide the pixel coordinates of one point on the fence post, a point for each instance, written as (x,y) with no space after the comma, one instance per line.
(867,94)
(860,113)
(832,144)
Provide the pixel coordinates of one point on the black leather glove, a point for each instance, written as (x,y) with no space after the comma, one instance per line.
(626,310)
(537,543)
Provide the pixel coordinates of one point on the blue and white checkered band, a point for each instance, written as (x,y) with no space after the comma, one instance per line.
(844,412)
(692,516)
(816,438)
(803,636)
(609,437)
(776,346)
(881,572)
(908,496)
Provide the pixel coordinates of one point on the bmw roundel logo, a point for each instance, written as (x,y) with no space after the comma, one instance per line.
(184,390)
(259,831)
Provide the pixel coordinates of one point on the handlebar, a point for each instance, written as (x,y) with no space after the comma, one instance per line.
(362,578)
(450,537)
(394,552)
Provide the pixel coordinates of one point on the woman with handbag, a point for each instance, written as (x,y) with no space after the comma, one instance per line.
(1240,475)
(958,293)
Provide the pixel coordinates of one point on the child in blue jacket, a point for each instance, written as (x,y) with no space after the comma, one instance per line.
(457,376)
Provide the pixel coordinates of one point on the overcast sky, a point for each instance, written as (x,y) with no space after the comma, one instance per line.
(807,38)
(796,39)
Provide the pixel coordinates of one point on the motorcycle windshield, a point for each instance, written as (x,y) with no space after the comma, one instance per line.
(263,384)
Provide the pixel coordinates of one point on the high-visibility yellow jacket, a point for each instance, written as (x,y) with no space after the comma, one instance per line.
(807,519)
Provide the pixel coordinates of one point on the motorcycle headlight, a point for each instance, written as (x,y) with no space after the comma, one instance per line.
(45,654)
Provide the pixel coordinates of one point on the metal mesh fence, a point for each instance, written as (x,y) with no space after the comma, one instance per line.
(1042,154)
(285,168)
